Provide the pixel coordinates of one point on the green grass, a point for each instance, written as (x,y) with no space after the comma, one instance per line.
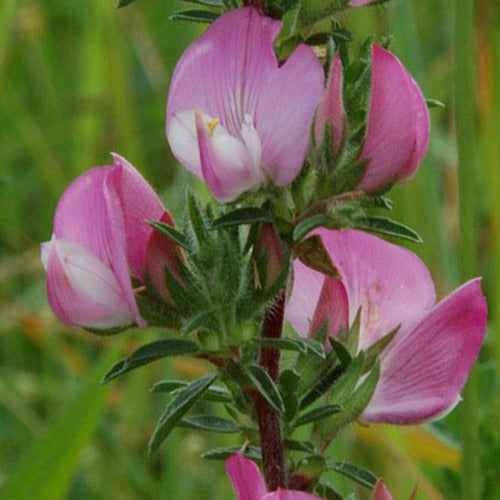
(79,79)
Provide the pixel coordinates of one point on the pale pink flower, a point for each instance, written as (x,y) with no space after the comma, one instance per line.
(236,117)
(427,363)
(249,483)
(397,131)
(99,239)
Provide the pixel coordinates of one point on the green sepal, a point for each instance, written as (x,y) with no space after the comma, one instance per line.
(198,16)
(149,353)
(361,476)
(177,408)
(209,423)
(244,215)
(372,354)
(251,452)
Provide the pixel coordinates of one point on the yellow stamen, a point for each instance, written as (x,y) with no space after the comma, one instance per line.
(212,125)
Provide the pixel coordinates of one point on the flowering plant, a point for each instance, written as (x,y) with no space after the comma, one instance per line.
(298,152)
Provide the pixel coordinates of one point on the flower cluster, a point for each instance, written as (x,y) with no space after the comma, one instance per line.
(296,151)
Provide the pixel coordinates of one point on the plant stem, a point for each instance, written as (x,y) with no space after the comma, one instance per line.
(465,93)
(268,418)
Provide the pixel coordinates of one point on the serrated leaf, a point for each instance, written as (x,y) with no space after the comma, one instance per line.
(149,353)
(213,393)
(177,408)
(252,452)
(294,445)
(388,227)
(266,387)
(197,16)
(245,215)
(171,233)
(209,423)
(361,476)
(317,414)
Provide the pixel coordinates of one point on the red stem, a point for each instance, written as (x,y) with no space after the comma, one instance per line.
(268,418)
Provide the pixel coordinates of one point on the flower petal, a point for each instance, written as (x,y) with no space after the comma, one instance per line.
(231,71)
(139,203)
(390,284)
(333,307)
(380,492)
(226,163)
(281,494)
(246,477)
(398,125)
(331,109)
(301,306)
(82,290)
(425,368)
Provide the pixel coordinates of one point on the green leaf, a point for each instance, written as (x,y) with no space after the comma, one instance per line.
(376,201)
(252,452)
(298,345)
(361,476)
(213,393)
(342,353)
(198,16)
(293,445)
(177,408)
(209,423)
(306,226)
(46,470)
(388,227)
(149,353)
(265,386)
(326,491)
(434,103)
(317,414)
(245,215)
(209,3)
(374,351)
(171,233)
(122,3)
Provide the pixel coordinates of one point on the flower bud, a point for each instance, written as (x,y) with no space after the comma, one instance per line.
(268,243)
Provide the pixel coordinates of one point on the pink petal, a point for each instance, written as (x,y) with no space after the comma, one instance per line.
(90,213)
(331,109)
(81,289)
(333,307)
(139,203)
(281,494)
(246,477)
(425,368)
(398,125)
(161,254)
(306,290)
(380,492)
(231,71)
(226,164)
(390,284)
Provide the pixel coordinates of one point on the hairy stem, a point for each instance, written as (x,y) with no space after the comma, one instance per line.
(268,418)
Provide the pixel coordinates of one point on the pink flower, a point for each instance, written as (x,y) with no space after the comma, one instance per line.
(99,238)
(236,117)
(427,363)
(397,132)
(249,484)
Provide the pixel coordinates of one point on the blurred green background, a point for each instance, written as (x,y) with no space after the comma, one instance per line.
(78,79)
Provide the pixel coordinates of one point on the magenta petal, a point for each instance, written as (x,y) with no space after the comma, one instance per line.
(331,110)
(230,72)
(281,494)
(426,367)
(301,306)
(82,290)
(380,492)
(333,307)
(246,477)
(390,284)
(139,203)
(397,130)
